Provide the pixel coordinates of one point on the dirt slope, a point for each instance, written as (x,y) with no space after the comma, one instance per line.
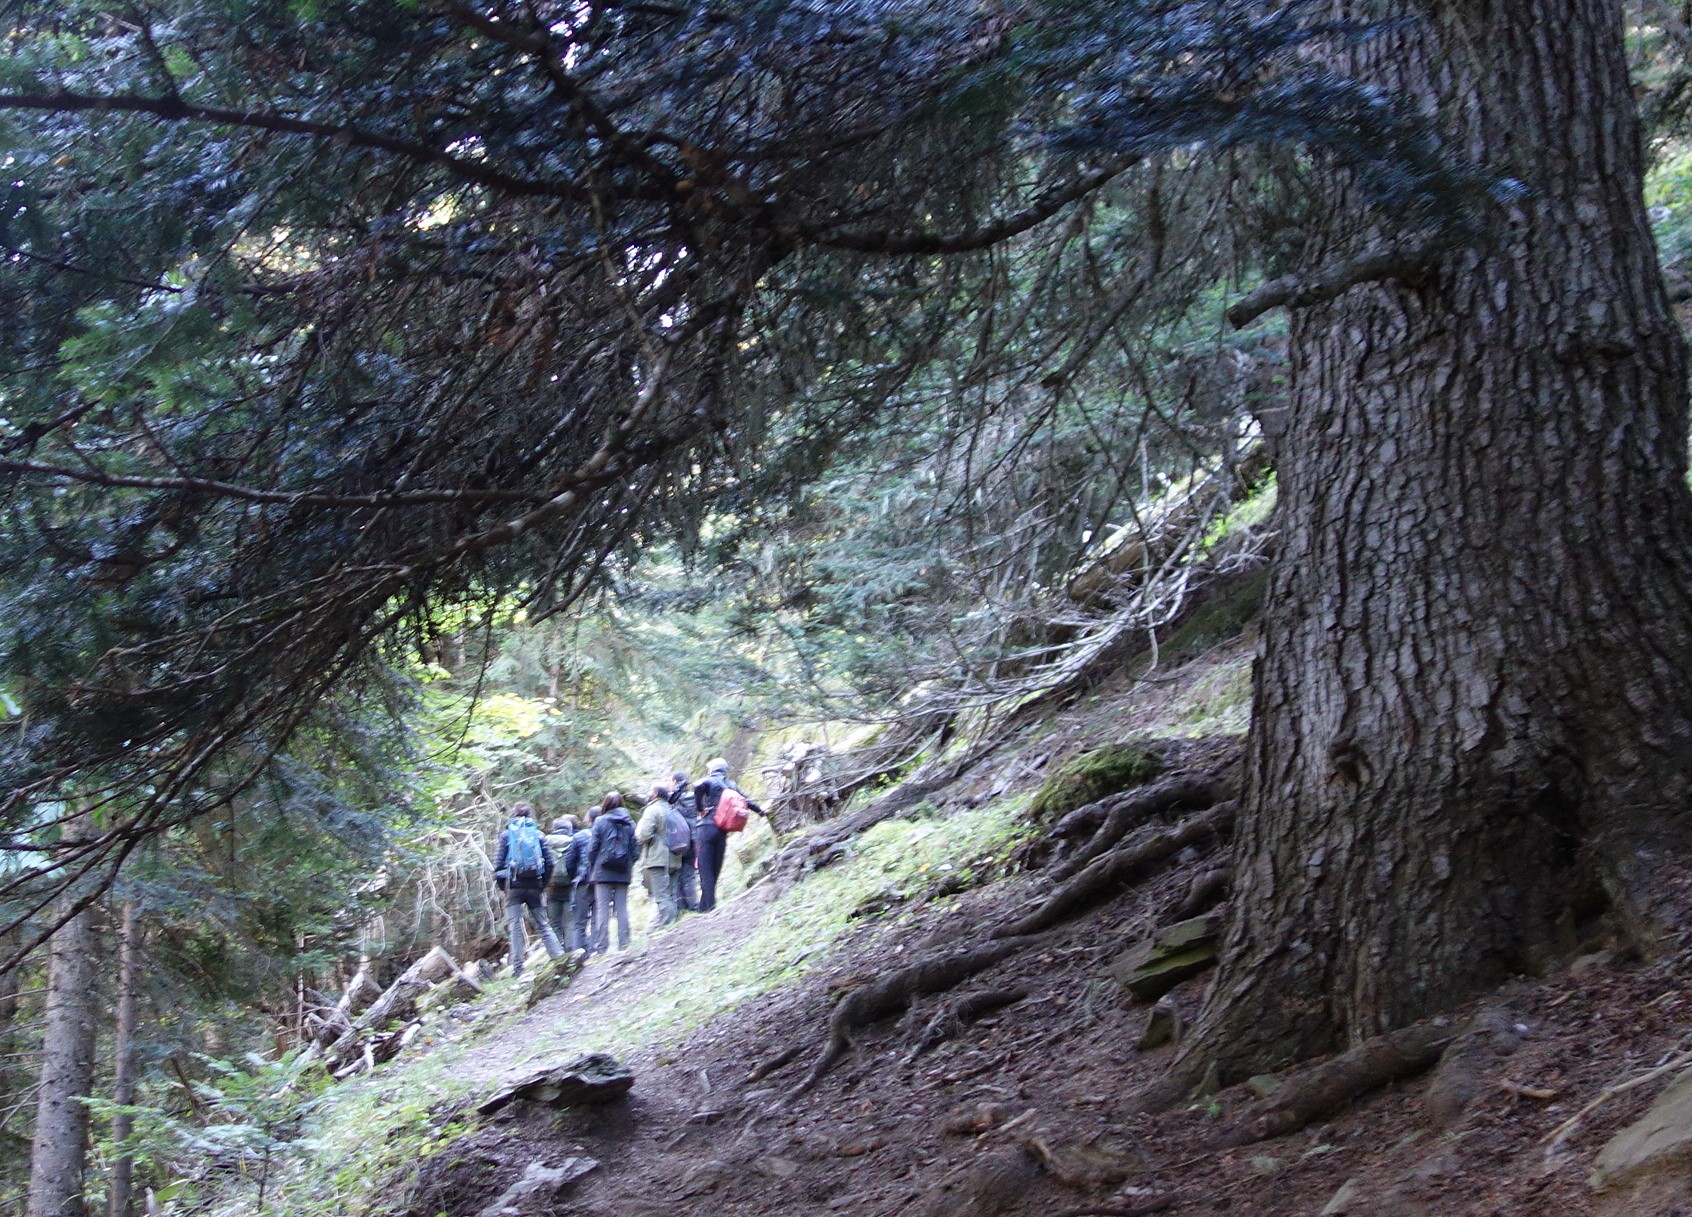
(1034,1109)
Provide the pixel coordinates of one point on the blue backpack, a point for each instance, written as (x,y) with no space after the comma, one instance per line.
(523,852)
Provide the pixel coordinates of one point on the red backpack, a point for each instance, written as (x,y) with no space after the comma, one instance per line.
(732,807)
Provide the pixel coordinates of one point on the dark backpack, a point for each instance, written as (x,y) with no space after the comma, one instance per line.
(618,852)
(683,801)
(678,834)
(523,857)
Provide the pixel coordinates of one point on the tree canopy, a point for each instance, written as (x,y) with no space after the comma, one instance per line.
(322,317)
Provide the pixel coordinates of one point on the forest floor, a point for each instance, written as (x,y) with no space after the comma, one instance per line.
(1031,1110)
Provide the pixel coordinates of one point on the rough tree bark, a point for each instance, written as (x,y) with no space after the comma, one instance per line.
(120,1190)
(1471,711)
(59,1149)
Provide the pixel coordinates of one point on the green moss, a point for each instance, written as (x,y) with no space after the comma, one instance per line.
(1092,775)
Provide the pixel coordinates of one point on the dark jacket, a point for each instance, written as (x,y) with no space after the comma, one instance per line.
(707,792)
(683,800)
(576,856)
(503,874)
(599,870)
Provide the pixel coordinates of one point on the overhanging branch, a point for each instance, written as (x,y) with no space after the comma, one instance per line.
(1401,261)
(917,242)
(174,109)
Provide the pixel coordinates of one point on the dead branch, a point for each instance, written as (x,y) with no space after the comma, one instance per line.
(1560,1135)
(399,1003)
(1402,261)
(1320,1089)
(1119,866)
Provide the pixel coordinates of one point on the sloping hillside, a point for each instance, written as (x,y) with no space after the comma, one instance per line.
(989,1059)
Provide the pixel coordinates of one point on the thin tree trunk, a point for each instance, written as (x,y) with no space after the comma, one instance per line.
(120,1192)
(59,1151)
(11,985)
(1471,710)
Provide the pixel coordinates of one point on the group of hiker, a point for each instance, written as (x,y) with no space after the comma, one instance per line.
(574,880)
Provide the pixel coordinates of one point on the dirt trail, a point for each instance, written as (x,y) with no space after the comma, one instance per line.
(563,1025)
(1031,1110)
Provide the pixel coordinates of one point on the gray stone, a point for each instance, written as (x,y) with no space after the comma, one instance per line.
(555,975)
(538,1188)
(1647,1166)
(1151,968)
(584,1082)
(1162,1026)
(1342,1201)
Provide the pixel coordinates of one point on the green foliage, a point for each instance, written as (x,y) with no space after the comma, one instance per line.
(1092,775)
(243,1124)
(1668,195)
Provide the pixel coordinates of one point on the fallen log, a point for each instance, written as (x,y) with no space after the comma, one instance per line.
(398,1003)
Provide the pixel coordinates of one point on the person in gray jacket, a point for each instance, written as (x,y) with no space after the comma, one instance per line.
(612,852)
(657,861)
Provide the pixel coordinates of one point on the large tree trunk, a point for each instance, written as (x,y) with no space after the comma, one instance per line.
(59,1151)
(1471,709)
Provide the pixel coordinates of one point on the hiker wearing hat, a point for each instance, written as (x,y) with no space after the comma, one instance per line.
(722,810)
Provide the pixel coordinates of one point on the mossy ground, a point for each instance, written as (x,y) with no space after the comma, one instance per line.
(1092,775)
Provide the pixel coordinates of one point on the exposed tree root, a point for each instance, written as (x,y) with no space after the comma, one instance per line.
(1471,1066)
(1183,792)
(1317,1091)
(1140,1208)
(1207,891)
(954,1015)
(775,1064)
(896,991)
(1128,861)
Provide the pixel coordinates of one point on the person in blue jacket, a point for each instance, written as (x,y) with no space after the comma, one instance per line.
(521,868)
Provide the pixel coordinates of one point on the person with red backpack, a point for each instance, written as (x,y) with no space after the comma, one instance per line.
(722,810)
